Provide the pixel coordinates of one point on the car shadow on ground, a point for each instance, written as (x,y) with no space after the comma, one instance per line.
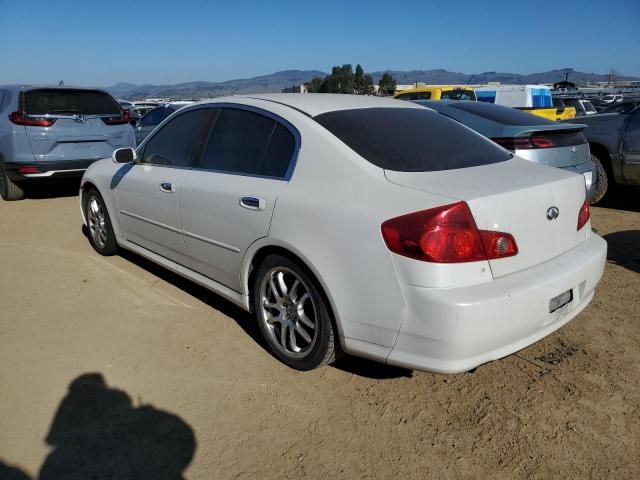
(622,198)
(67,188)
(624,249)
(97,432)
(358,366)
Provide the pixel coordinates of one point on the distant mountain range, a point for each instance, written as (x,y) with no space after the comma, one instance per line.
(275,82)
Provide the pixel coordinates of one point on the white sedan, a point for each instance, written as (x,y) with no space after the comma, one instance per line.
(359,224)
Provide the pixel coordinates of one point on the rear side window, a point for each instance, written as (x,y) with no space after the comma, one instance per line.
(411,139)
(458,95)
(179,140)
(67,101)
(248,143)
(501,114)
(154,117)
(414,96)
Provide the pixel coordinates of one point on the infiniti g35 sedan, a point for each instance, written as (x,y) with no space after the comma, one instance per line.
(366,225)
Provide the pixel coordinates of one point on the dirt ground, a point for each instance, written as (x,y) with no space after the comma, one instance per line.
(132,372)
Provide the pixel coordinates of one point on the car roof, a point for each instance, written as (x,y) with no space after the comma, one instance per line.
(24,88)
(312,104)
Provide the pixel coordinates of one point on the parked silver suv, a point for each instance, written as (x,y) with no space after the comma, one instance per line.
(48,133)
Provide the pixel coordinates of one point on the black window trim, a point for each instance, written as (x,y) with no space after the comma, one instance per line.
(200,151)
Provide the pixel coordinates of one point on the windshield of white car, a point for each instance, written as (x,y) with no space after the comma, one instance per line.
(411,139)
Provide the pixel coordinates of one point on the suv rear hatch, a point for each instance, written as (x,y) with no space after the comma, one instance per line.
(84,124)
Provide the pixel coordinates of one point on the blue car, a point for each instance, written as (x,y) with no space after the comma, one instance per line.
(50,133)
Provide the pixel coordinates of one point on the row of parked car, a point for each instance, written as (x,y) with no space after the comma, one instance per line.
(367,225)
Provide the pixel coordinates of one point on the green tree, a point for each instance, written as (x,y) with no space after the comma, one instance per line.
(358,81)
(367,84)
(340,80)
(387,84)
(314,85)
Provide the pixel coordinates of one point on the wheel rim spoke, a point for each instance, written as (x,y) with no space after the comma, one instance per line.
(305,320)
(274,289)
(281,283)
(294,289)
(303,334)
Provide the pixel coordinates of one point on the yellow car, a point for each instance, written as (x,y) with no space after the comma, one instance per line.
(437,92)
(554,113)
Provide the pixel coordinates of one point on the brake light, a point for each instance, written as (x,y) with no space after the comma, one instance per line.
(446,234)
(20,118)
(119,120)
(524,143)
(583,214)
(29,169)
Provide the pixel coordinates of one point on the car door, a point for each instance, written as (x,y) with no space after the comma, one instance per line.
(227,203)
(148,122)
(148,191)
(631,140)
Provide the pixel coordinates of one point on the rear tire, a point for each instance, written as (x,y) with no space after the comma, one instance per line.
(292,314)
(99,228)
(602,182)
(9,190)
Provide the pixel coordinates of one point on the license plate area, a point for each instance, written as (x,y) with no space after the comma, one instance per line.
(560,301)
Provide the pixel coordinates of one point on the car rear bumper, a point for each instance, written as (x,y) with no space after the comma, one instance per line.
(46,171)
(455,330)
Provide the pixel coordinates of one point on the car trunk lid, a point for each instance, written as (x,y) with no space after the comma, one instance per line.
(513,197)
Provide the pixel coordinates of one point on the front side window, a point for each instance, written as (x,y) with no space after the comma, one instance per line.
(179,140)
(247,143)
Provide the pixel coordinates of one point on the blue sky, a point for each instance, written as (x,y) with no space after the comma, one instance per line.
(140,41)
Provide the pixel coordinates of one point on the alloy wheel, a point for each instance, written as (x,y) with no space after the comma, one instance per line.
(97,221)
(289,312)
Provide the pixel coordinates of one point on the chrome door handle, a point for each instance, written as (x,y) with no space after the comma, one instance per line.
(167,187)
(252,203)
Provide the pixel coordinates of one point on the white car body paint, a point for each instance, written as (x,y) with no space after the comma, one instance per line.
(439,317)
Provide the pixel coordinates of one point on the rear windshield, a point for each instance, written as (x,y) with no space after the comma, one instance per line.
(458,95)
(411,139)
(88,102)
(501,114)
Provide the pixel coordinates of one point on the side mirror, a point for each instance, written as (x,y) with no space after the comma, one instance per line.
(124,155)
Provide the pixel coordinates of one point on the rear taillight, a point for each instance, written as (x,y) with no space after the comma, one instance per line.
(446,234)
(29,169)
(20,118)
(119,120)
(524,143)
(583,214)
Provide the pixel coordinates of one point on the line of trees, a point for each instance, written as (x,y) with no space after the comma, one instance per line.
(342,79)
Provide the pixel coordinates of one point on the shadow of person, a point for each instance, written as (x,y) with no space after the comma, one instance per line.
(624,249)
(98,433)
(8,472)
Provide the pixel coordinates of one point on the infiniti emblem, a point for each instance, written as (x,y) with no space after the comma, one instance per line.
(553,213)
(80,118)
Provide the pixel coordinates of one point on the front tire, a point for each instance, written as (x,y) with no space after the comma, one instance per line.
(9,190)
(99,228)
(602,183)
(292,314)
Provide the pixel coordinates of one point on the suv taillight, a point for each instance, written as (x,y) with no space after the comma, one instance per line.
(524,143)
(119,120)
(446,234)
(20,118)
(583,214)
